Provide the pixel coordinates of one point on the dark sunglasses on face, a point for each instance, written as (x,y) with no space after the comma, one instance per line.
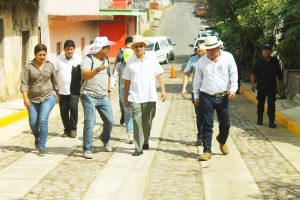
(138,46)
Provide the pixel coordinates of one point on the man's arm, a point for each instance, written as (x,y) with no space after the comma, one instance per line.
(126,88)
(161,82)
(90,73)
(184,84)
(197,83)
(253,85)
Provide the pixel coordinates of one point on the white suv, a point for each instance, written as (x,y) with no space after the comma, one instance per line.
(162,47)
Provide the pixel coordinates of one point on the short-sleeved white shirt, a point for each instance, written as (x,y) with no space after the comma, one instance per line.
(64,71)
(142,74)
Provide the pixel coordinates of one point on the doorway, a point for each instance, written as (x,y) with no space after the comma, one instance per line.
(1,42)
(25,39)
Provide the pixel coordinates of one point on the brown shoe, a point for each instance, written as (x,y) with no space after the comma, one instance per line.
(73,134)
(223,147)
(205,156)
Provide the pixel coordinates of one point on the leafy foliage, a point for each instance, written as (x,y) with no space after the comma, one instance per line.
(249,24)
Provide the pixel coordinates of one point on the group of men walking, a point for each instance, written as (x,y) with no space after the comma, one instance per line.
(217,76)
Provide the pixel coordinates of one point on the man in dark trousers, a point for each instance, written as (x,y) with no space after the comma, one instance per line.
(240,65)
(266,71)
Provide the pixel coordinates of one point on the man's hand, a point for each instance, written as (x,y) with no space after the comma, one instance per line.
(183,92)
(197,101)
(126,103)
(26,102)
(253,87)
(163,96)
(231,95)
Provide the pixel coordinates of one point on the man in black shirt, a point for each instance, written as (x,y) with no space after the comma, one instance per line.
(265,71)
(240,65)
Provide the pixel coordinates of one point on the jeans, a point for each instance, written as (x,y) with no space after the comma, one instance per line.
(199,120)
(127,113)
(103,106)
(208,104)
(142,114)
(38,119)
(261,98)
(121,104)
(68,105)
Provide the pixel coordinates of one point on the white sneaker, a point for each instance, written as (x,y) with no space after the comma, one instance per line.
(130,138)
(88,155)
(107,147)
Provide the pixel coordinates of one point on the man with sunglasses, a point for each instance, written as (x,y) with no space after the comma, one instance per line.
(95,92)
(140,91)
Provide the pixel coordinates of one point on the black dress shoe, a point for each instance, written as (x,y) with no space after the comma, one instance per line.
(259,121)
(122,120)
(145,146)
(137,153)
(272,125)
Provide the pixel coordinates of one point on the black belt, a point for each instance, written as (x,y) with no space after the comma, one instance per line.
(221,94)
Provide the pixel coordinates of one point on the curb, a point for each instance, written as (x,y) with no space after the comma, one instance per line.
(13,117)
(282,119)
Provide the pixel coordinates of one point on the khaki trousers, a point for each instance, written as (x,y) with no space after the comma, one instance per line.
(142,114)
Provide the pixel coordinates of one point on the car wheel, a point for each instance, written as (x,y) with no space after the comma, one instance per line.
(167,59)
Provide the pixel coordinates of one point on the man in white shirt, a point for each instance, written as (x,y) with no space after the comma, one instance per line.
(215,81)
(69,78)
(140,91)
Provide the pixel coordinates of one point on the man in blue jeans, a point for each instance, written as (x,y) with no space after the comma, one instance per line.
(215,81)
(95,92)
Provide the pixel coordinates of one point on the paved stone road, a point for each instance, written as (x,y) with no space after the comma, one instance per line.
(274,175)
(175,172)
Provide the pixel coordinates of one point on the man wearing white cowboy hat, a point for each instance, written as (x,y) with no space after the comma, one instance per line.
(140,91)
(95,94)
(215,81)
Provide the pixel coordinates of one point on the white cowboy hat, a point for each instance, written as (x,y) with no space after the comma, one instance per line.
(99,43)
(138,39)
(212,42)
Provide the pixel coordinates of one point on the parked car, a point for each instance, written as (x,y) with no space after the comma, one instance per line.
(201,40)
(208,33)
(162,47)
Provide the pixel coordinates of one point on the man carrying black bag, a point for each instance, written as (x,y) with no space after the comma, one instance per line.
(69,79)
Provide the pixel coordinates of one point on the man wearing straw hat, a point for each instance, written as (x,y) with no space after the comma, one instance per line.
(140,91)
(95,94)
(215,81)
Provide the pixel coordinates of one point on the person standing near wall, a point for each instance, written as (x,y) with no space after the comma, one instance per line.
(39,87)
(265,72)
(69,78)
(239,60)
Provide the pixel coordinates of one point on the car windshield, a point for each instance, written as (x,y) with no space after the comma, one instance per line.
(150,47)
(209,33)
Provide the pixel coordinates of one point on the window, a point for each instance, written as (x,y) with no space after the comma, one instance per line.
(58,48)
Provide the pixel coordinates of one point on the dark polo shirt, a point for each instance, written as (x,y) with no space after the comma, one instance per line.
(266,73)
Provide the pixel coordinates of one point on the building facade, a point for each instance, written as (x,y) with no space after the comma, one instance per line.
(19,33)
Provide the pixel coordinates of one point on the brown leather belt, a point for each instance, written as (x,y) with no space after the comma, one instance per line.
(221,94)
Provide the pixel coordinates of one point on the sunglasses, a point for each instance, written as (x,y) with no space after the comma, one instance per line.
(106,47)
(139,46)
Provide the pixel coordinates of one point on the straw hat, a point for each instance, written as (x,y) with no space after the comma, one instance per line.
(138,39)
(211,42)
